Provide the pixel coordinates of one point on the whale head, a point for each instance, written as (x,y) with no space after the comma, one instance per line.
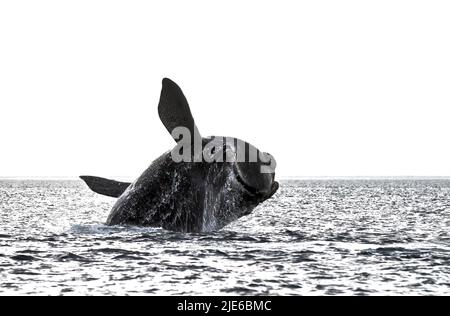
(252,168)
(237,177)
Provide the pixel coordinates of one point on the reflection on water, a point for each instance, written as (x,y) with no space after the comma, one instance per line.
(328,237)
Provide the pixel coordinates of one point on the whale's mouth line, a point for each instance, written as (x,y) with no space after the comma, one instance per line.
(251,190)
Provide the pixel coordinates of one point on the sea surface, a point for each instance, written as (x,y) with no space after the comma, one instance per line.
(314,237)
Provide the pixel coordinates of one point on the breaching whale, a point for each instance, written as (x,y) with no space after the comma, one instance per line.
(201,185)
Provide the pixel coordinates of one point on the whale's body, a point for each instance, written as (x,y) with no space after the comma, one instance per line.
(189,196)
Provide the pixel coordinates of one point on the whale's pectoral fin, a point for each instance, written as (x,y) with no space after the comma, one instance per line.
(105,186)
(174,111)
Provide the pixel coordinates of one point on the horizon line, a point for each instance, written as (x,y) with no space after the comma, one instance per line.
(283,177)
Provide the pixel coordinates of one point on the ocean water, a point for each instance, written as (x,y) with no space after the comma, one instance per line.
(314,237)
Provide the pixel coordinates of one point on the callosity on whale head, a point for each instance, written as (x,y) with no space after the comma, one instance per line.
(201,185)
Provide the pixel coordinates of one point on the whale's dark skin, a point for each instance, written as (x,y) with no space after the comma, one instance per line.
(187,196)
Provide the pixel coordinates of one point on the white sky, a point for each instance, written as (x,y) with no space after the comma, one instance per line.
(330,88)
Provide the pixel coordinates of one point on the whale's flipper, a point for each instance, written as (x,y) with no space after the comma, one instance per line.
(105,186)
(174,109)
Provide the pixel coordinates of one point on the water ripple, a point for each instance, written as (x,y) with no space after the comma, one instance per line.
(331,237)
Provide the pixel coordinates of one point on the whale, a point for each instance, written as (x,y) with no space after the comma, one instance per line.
(200,185)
